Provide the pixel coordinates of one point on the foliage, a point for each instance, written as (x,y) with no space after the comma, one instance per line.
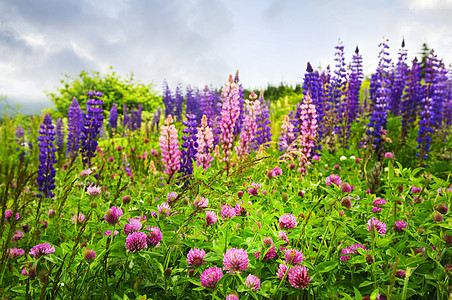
(115,89)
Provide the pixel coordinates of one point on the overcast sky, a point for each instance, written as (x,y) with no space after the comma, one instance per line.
(200,42)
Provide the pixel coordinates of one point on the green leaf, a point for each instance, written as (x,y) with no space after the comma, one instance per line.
(326,266)
(358,295)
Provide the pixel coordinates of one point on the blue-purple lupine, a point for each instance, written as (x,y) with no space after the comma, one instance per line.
(350,109)
(46,171)
(312,84)
(414,93)
(287,132)
(178,104)
(93,123)
(263,134)
(59,134)
(133,119)
(20,141)
(207,105)
(192,105)
(189,144)
(139,115)
(241,118)
(113,119)
(336,89)
(126,117)
(156,119)
(379,97)
(74,128)
(426,130)
(398,84)
(168,100)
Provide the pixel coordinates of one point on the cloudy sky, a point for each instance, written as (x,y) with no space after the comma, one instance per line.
(200,42)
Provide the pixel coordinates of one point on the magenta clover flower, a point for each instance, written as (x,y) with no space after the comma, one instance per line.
(42,249)
(195,257)
(133,226)
(211,276)
(227,212)
(136,241)
(379,226)
(379,202)
(293,257)
(235,260)
(113,215)
(252,282)
(201,202)
(400,226)
(282,270)
(333,179)
(211,218)
(287,221)
(299,277)
(94,190)
(350,250)
(154,237)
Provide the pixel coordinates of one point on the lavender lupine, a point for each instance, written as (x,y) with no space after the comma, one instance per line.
(75,125)
(208,105)
(308,132)
(46,170)
(241,117)
(263,134)
(412,97)
(204,145)
(379,95)
(398,85)
(133,119)
(59,134)
(189,144)
(312,84)
(20,141)
(250,126)
(139,114)
(192,104)
(229,114)
(126,117)
(287,134)
(169,146)
(178,104)
(168,100)
(113,119)
(93,124)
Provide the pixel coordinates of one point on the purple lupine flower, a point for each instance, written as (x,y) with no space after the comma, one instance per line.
(46,171)
(139,115)
(235,260)
(204,145)
(333,179)
(313,85)
(239,122)
(126,117)
(263,134)
(113,215)
(93,124)
(398,85)
(379,95)
(299,277)
(229,114)
(113,119)
(189,145)
(136,241)
(400,226)
(133,119)
(74,127)
(379,226)
(42,249)
(154,236)
(293,257)
(208,105)
(210,277)
(195,257)
(211,217)
(253,282)
(192,103)
(287,221)
(168,100)
(308,132)
(179,100)
(412,97)
(20,141)
(59,133)
(345,254)
(249,126)
(169,146)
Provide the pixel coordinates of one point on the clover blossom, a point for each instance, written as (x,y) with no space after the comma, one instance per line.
(299,277)
(235,260)
(42,249)
(253,282)
(195,257)
(210,277)
(379,226)
(136,241)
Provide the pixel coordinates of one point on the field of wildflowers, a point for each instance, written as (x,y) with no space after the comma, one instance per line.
(213,197)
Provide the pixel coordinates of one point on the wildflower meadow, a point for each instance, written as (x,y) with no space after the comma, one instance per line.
(337,190)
